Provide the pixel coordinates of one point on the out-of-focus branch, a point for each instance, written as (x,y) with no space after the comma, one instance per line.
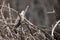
(32,36)
(10,8)
(2,12)
(51,12)
(33,26)
(52,33)
(10,13)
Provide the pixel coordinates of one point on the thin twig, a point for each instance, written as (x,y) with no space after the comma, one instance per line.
(2,12)
(10,13)
(10,8)
(34,26)
(26,38)
(51,12)
(52,33)
(32,36)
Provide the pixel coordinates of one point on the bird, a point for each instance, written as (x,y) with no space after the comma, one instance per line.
(21,17)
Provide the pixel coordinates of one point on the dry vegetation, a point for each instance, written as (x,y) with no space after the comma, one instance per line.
(14,26)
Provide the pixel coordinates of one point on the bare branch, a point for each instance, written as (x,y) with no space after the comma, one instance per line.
(2,12)
(10,13)
(52,33)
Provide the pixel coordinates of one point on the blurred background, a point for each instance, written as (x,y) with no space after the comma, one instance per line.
(41,12)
